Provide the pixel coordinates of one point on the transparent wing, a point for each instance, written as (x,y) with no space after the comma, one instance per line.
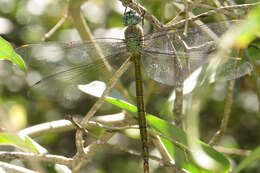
(233,69)
(162,48)
(57,68)
(160,67)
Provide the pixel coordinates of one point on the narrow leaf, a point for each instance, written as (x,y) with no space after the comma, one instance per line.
(253,156)
(17,141)
(7,53)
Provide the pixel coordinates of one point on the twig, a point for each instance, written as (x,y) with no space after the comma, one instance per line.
(81,159)
(64,125)
(84,122)
(230,151)
(45,158)
(186,16)
(49,127)
(151,132)
(14,168)
(132,152)
(193,18)
(54,29)
(110,85)
(179,79)
(223,127)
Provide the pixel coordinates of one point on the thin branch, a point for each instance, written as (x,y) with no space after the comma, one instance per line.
(223,127)
(163,151)
(193,18)
(97,105)
(82,159)
(186,16)
(92,111)
(233,151)
(39,157)
(14,168)
(132,152)
(112,82)
(49,127)
(54,29)
(151,132)
(59,126)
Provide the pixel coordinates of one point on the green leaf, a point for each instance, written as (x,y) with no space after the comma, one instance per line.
(254,50)
(253,156)
(249,29)
(180,136)
(7,53)
(176,134)
(17,141)
(31,144)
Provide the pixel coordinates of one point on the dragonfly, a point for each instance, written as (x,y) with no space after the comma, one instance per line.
(58,65)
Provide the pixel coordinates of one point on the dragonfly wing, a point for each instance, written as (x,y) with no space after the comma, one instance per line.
(192,50)
(233,69)
(159,68)
(60,67)
(160,56)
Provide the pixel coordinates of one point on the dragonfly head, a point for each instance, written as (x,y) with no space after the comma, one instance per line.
(131,18)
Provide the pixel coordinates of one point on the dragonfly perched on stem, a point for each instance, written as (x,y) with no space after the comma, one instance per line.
(61,66)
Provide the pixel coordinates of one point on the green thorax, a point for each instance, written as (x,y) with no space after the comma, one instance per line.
(133,33)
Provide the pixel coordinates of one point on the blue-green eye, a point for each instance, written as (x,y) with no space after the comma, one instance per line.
(131,18)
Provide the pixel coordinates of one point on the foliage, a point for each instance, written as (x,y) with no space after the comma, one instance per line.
(8,53)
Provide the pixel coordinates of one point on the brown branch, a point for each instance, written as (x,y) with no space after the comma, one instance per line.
(39,157)
(14,168)
(54,29)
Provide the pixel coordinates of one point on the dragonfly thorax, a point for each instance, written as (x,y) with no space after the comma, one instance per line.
(134,39)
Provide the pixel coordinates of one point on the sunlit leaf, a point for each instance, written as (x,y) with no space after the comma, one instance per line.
(31,144)
(7,53)
(17,141)
(249,29)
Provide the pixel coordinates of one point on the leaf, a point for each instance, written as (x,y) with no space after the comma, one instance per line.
(253,156)
(31,144)
(180,136)
(17,141)
(174,133)
(7,53)
(249,29)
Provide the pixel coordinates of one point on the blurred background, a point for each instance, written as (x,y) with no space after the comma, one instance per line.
(27,21)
